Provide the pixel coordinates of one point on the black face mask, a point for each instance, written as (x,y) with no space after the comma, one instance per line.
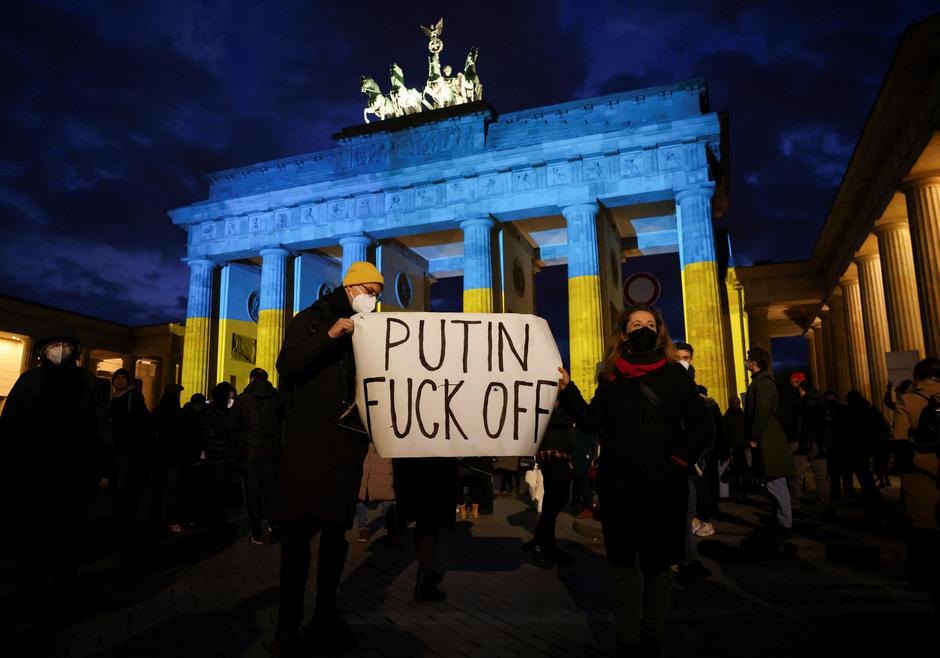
(642,339)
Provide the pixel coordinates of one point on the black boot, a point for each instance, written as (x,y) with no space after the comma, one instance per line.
(541,556)
(426,586)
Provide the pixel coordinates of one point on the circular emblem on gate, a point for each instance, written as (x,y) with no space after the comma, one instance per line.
(254,305)
(403,289)
(518,277)
(325,289)
(641,288)
(435,45)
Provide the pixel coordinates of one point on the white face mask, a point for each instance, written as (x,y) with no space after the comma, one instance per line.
(684,363)
(58,353)
(363,303)
(228,405)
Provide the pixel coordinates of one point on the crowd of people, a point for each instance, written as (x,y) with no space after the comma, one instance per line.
(650,456)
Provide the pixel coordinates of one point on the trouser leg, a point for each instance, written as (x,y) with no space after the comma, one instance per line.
(820,468)
(295,568)
(702,507)
(777,488)
(691,551)
(557,474)
(628,604)
(330,562)
(657,594)
(796,482)
(362,515)
(253,497)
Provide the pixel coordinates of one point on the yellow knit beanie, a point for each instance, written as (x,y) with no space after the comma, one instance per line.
(362,272)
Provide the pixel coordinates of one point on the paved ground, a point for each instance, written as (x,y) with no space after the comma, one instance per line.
(199,597)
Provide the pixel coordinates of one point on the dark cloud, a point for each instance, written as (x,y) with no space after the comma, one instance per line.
(111,112)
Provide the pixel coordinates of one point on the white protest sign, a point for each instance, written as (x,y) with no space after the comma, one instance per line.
(455,384)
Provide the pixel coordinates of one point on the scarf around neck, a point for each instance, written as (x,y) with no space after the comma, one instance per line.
(631,365)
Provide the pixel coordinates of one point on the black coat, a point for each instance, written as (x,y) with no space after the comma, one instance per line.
(321,466)
(131,425)
(257,420)
(559,435)
(641,488)
(48,441)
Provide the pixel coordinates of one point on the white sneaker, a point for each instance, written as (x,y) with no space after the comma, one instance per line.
(705,530)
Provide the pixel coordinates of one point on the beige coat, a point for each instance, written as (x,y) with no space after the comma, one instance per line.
(376,477)
(918,489)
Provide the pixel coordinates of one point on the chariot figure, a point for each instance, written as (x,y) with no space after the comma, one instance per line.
(404,100)
(377,103)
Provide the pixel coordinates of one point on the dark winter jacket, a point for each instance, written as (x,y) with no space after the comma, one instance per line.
(48,432)
(814,427)
(762,426)
(130,423)
(257,420)
(640,483)
(559,435)
(736,427)
(321,466)
(218,442)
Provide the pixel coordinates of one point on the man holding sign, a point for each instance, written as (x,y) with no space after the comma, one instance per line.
(323,451)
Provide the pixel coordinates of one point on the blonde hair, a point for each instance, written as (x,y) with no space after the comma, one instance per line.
(663,341)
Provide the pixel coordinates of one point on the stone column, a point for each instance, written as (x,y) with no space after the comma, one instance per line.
(195,378)
(272,318)
(900,286)
(757,327)
(477,265)
(821,379)
(876,324)
(825,343)
(855,330)
(923,214)
(838,345)
(355,249)
(585,315)
(813,355)
(701,299)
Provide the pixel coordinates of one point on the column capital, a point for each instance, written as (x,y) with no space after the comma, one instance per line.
(889,225)
(356,238)
(867,258)
(485,222)
(274,251)
(200,262)
(921,180)
(591,207)
(697,191)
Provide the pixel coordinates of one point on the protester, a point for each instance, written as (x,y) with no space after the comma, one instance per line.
(48,475)
(892,394)
(736,430)
(917,420)
(221,460)
(584,469)
(691,566)
(841,479)
(132,440)
(508,470)
(554,460)
(768,437)
(376,487)
(811,449)
(470,476)
(257,422)
(714,454)
(652,426)
(865,426)
(166,482)
(321,466)
(192,465)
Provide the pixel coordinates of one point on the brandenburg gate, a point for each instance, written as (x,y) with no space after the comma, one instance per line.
(459,190)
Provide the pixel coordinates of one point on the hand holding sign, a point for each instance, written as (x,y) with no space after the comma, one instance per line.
(341,327)
(565,379)
(455,384)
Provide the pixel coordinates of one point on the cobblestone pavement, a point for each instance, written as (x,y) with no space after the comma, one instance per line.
(197,597)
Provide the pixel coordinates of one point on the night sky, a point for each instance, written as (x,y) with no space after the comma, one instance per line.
(113,111)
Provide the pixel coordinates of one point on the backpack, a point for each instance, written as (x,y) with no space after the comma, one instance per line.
(926,436)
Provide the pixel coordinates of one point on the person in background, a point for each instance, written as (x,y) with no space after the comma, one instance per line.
(812,449)
(48,475)
(257,421)
(865,427)
(508,470)
(892,394)
(377,487)
(768,437)
(131,439)
(707,487)
(840,462)
(220,454)
(583,472)
(736,430)
(652,425)
(166,484)
(554,460)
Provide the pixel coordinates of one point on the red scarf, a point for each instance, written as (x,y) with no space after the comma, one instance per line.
(627,369)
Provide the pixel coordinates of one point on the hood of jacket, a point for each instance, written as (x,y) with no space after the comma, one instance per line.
(260,389)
